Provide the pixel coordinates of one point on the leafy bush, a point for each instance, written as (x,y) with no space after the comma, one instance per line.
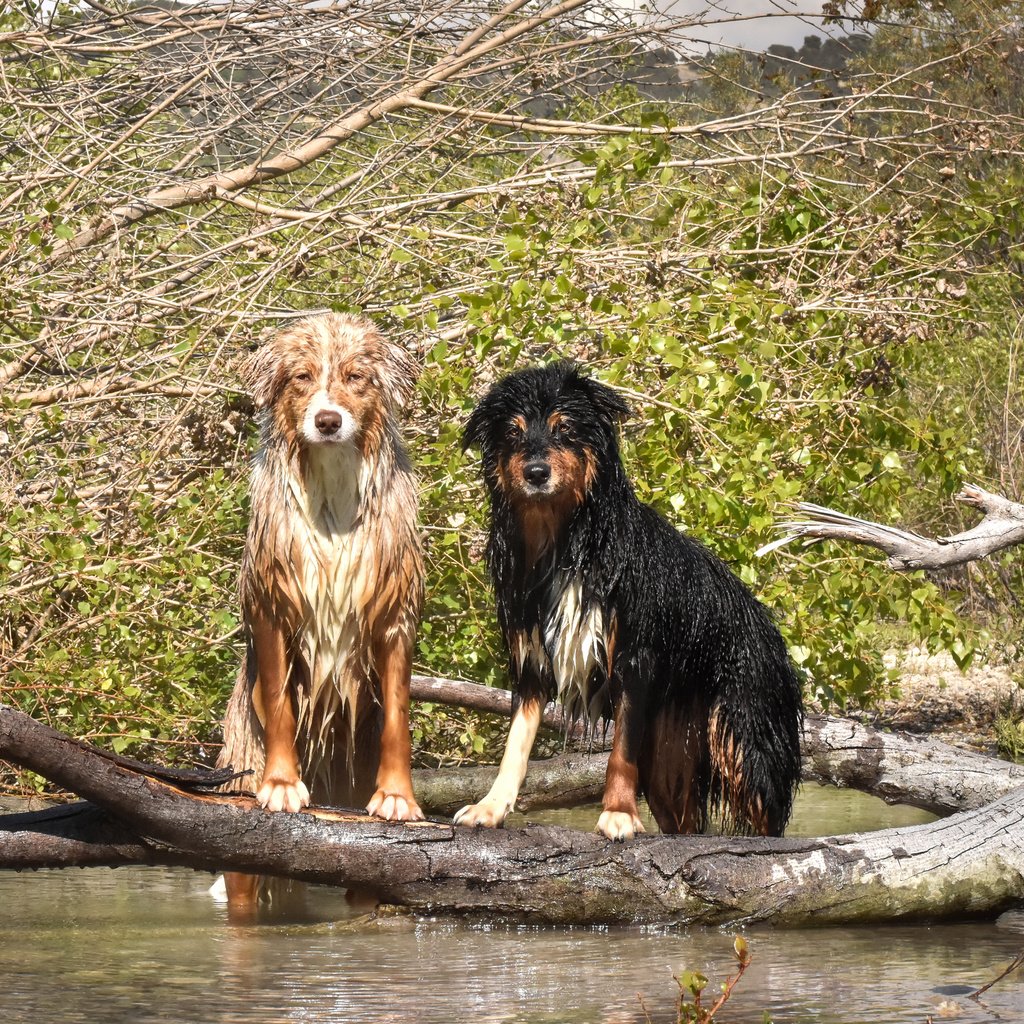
(803,295)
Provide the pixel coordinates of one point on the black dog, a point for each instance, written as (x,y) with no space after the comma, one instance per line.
(602,602)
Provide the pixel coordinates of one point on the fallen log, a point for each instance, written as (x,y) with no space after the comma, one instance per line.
(903,769)
(970,863)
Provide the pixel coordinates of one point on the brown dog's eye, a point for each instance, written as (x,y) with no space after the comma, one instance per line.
(355,377)
(303,376)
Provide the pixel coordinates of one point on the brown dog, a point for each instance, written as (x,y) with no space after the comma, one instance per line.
(332,578)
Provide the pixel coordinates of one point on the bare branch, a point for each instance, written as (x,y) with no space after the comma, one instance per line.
(1002,527)
(325,140)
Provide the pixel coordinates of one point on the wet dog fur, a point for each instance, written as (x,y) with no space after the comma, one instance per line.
(331,581)
(603,603)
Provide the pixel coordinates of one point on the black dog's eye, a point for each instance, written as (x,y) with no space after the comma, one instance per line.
(562,431)
(515,430)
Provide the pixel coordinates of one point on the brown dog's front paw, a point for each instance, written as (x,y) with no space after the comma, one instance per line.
(394,806)
(278,794)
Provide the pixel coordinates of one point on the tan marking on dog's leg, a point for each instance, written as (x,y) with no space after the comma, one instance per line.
(394,800)
(495,807)
(281,788)
(620,818)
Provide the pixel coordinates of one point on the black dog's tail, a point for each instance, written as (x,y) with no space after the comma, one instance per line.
(732,751)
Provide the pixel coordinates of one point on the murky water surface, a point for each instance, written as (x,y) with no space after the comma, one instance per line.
(148,945)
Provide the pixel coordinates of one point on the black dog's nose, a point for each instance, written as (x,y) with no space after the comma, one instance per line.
(537,473)
(327,422)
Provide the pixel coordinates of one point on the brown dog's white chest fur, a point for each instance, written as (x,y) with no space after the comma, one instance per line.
(314,540)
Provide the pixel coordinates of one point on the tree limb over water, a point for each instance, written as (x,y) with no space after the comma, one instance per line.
(972,862)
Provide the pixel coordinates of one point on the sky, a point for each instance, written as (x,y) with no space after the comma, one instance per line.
(791,21)
(736,21)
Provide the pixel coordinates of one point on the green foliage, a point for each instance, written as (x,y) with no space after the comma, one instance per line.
(840,328)
(131,639)
(1010,728)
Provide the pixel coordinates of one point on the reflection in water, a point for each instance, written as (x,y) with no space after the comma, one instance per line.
(144,945)
(817,811)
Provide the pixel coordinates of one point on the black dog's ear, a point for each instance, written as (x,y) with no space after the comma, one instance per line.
(476,428)
(609,404)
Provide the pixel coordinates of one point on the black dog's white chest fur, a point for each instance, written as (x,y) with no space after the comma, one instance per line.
(569,647)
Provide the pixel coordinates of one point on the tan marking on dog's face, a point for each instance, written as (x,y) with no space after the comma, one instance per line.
(544,506)
(571,476)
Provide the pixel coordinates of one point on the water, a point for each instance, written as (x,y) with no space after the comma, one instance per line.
(148,945)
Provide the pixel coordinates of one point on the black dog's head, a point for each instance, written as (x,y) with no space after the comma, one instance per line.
(545,435)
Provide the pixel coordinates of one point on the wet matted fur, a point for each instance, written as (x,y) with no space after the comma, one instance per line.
(603,603)
(332,578)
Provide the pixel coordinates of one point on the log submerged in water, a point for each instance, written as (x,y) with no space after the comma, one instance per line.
(972,862)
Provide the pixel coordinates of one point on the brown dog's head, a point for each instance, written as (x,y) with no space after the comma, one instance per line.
(329,380)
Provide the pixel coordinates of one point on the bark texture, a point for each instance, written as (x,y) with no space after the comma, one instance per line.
(972,862)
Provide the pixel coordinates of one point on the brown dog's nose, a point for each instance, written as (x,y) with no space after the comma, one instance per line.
(327,422)
(537,473)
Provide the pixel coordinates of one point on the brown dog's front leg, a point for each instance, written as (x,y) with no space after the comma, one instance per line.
(281,788)
(394,800)
(242,893)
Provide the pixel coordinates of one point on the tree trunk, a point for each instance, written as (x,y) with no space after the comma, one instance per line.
(972,862)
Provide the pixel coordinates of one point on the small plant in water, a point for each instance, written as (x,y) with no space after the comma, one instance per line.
(690,1008)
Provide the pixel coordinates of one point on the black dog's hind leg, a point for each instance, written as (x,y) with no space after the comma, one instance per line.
(675,768)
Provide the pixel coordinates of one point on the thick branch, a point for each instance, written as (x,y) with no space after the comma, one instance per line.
(1002,527)
(969,863)
(492,699)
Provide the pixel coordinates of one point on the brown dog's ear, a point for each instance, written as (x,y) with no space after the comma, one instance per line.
(399,373)
(259,372)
